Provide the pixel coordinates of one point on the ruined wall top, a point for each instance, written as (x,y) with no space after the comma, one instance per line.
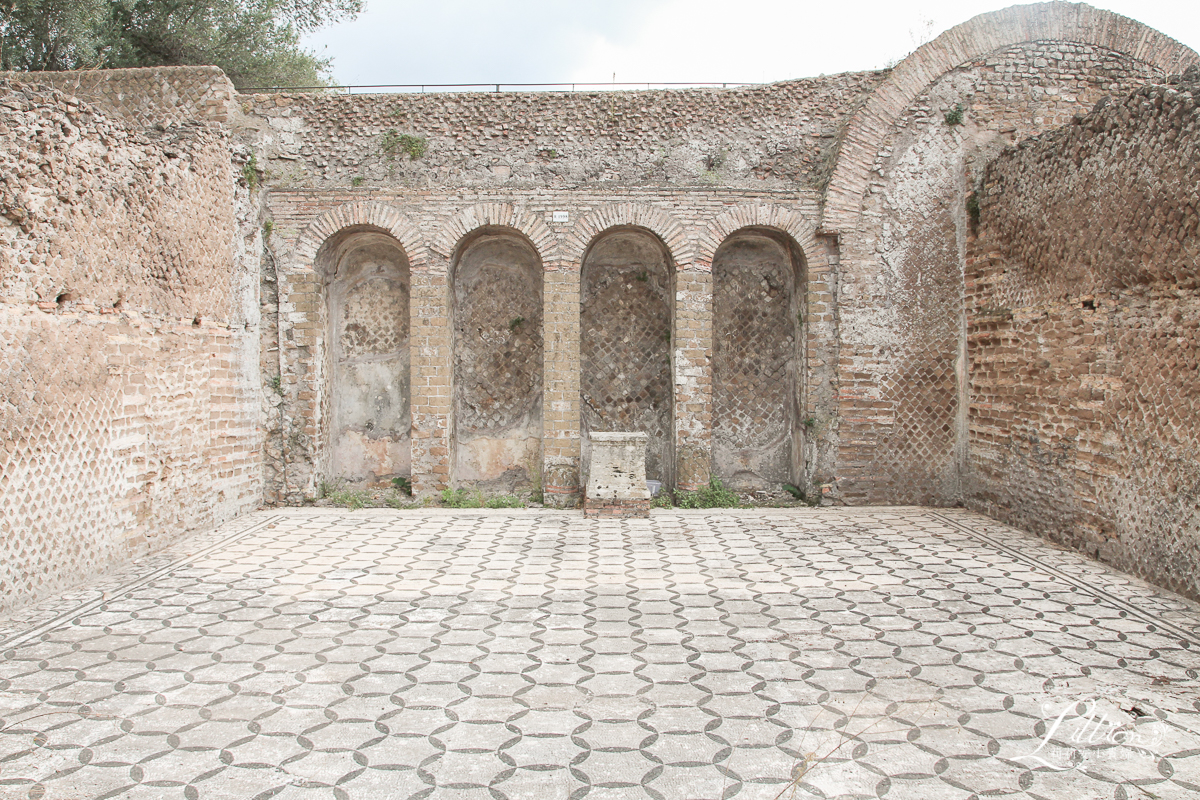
(144,97)
(777,135)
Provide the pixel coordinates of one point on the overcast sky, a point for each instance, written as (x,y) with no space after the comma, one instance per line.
(536,41)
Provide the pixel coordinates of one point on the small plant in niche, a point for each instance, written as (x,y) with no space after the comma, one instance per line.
(955,115)
(973,208)
(811,422)
(643,276)
(357,181)
(268,227)
(402,484)
(515,323)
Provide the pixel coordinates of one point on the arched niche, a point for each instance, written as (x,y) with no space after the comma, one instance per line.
(367,288)
(627,292)
(496,280)
(758,360)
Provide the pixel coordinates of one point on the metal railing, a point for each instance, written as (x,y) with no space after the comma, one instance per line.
(416,88)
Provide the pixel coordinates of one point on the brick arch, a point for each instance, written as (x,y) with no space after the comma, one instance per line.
(496,215)
(986,33)
(789,221)
(366,213)
(657,221)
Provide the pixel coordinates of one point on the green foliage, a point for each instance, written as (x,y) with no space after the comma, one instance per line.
(464,498)
(350,499)
(955,115)
(794,491)
(256,42)
(715,495)
(810,422)
(461,498)
(40,35)
(402,484)
(514,324)
(538,496)
(643,276)
(250,172)
(394,143)
(357,181)
(661,500)
(277,385)
(268,228)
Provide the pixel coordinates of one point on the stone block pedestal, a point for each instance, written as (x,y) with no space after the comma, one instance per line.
(616,485)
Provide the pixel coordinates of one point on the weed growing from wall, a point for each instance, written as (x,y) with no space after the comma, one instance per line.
(394,143)
(250,172)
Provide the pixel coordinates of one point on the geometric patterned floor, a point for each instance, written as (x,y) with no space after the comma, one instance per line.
(901,653)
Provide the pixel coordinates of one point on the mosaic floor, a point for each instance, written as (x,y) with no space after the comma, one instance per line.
(902,653)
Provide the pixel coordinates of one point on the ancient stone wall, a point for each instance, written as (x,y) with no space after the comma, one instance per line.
(1083,321)
(683,230)
(128,341)
(903,430)
(464,286)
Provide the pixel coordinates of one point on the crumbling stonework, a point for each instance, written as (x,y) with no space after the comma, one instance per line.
(778,136)
(1083,315)
(128,382)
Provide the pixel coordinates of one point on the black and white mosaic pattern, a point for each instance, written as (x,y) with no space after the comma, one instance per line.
(849,653)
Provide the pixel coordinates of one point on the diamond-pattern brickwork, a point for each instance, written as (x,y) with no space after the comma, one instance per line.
(1084,336)
(498,336)
(754,361)
(121,435)
(145,97)
(128,389)
(625,342)
(374,318)
(904,431)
